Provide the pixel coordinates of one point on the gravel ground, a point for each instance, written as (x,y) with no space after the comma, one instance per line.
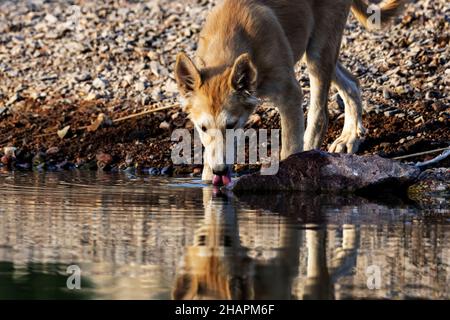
(64,63)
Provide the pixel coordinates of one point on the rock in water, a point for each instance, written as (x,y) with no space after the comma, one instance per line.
(317,171)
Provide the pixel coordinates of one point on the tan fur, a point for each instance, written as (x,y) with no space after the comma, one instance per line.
(248,49)
(215,89)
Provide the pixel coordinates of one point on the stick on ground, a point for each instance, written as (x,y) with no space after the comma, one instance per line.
(420,153)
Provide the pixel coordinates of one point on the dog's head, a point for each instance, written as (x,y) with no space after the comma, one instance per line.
(217,99)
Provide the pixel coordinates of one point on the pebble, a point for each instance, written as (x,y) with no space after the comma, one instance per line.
(146,99)
(430,95)
(63,132)
(103,158)
(386,93)
(167,171)
(418,119)
(154,171)
(9,151)
(86,76)
(5,160)
(197,172)
(93,96)
(164,125)
(171,87)
(39,159)
(51,19)
(52,151)
(155,67)
(49,77)
(438,106)
(99,84)
(128,78)
(140,86)
(391,113)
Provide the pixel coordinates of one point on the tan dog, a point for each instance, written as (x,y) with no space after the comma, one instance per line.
(247,51)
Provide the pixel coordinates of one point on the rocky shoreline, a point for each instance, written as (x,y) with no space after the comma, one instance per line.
(74,67)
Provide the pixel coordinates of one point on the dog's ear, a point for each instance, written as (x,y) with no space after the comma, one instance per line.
(186,73)
(243,75)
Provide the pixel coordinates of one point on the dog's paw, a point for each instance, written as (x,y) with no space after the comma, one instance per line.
(348,142)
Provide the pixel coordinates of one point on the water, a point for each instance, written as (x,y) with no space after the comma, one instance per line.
(144,238)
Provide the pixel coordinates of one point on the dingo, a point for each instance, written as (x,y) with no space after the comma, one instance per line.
(247,51)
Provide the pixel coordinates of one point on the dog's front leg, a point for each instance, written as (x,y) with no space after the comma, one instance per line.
(353,132)
(289,103)
(317,122)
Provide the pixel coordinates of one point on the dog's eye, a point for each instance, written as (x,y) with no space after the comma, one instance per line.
(231,125)
(204,129)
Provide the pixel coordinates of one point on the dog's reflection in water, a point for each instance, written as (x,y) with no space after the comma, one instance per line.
(320,273)
(217,266)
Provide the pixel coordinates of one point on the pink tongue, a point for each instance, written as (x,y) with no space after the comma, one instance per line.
(226,179)
(217,180)
(221,180)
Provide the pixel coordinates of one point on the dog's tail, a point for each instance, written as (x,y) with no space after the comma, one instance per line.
(376,16)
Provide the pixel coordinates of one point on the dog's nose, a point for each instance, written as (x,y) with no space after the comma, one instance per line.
(220,170)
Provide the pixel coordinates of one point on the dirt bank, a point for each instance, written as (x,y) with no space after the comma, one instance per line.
(65,63)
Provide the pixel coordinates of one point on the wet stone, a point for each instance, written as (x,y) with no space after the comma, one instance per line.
(316,171)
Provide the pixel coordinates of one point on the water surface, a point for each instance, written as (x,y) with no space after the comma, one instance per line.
(152,238)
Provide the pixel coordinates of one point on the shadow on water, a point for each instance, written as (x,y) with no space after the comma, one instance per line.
(38,281)
(144,238)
